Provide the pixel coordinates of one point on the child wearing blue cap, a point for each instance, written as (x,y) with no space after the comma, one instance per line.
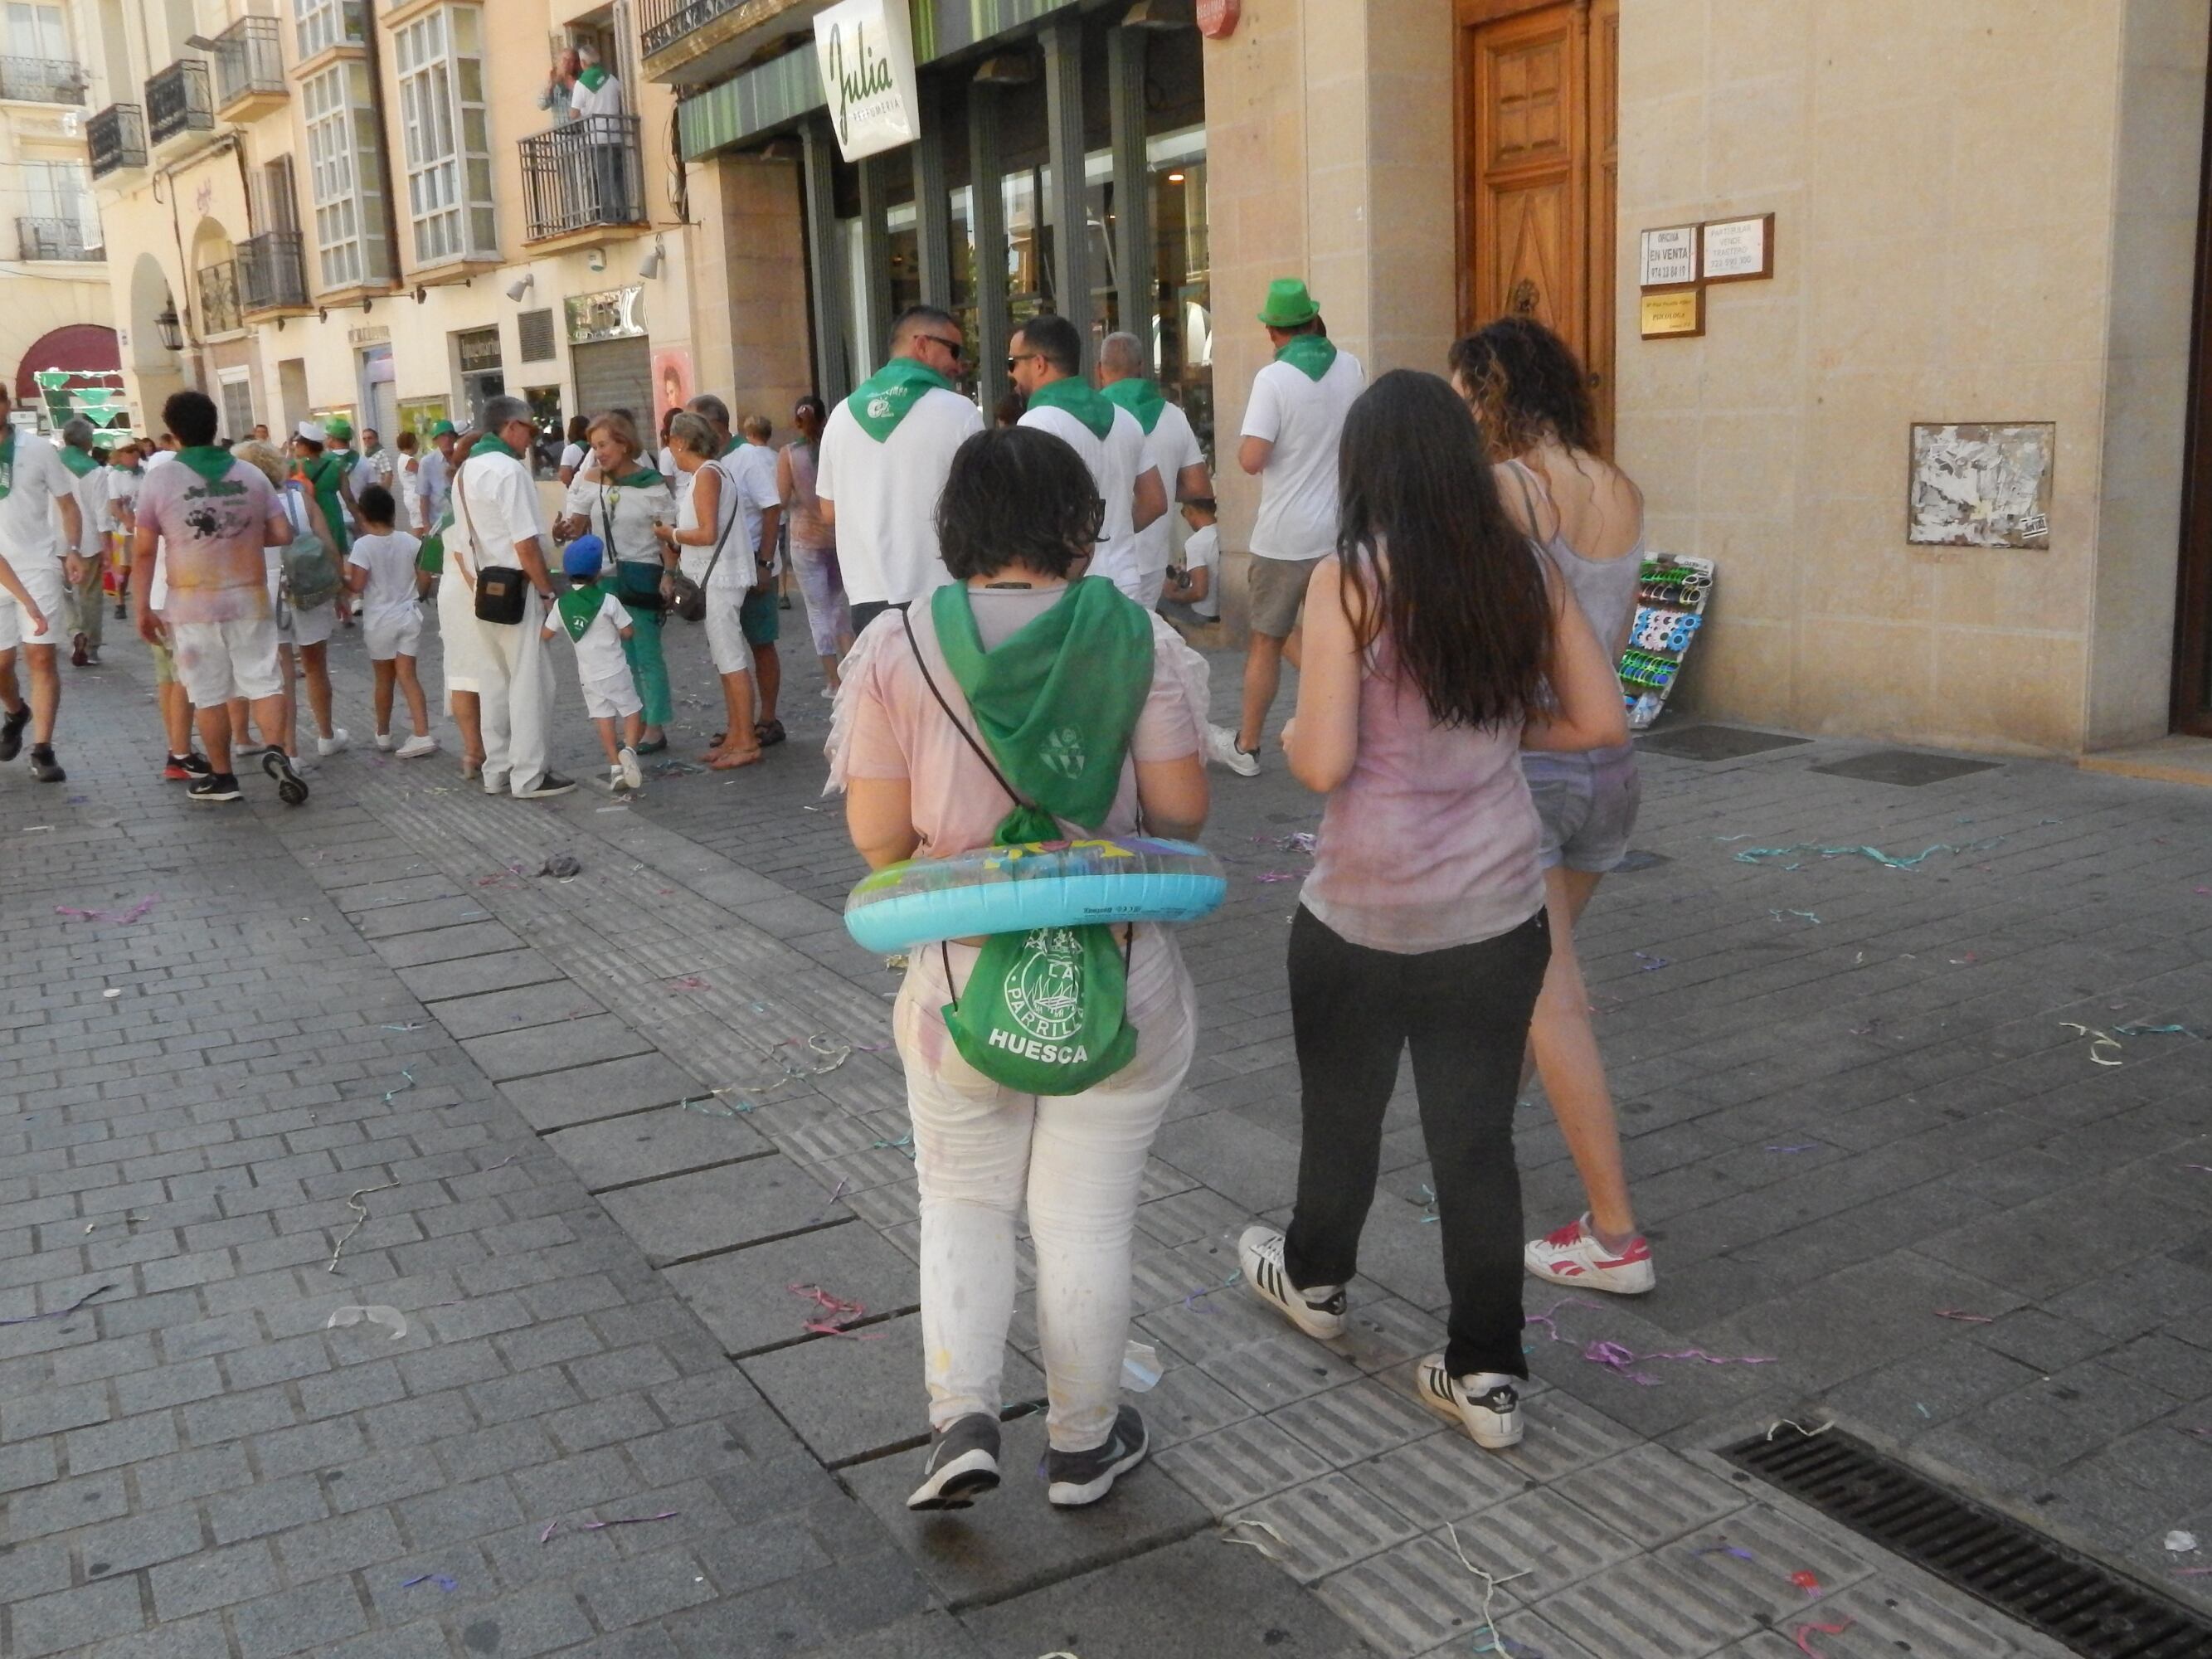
(595,622)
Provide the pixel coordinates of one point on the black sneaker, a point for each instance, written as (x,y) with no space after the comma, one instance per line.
(548,785)
(963,1465)
(11,732)
(44,767)
(1085,1477)
(291,788)
(122,609)
(216,786)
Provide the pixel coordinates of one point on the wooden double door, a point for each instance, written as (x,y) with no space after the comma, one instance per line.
(1539,125)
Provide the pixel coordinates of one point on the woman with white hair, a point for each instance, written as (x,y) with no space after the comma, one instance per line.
(306,629)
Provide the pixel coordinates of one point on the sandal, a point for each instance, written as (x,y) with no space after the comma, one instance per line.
(769,734)
(652,746)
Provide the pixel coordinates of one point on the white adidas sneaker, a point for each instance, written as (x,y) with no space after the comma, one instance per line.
(1318,1310)
(1486,1404)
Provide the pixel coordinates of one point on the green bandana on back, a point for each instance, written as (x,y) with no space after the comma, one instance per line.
(211,461)
(1309,353)
(78,462)
(1079,398)
(580,608)
(890,395)
(491,442)
(1045,1011)
(593,76)
(1141,398)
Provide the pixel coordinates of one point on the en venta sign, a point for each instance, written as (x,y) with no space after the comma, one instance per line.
(865,50)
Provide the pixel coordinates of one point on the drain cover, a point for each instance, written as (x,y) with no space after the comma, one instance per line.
(1712,743)
(2016,1569)
(1905,766)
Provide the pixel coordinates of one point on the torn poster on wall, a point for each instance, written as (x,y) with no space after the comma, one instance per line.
(1981,486)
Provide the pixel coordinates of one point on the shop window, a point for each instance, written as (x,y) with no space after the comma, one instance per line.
(483,372)
(545,415)
(1182,323)
(419,415)
(344,165)
(448,146)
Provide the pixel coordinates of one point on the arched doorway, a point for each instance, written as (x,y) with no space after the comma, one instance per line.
(157,370)
(77,369)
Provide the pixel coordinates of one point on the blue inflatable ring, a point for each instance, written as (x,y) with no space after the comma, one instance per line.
(1053,884)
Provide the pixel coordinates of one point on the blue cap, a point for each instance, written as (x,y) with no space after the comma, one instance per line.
(583,557)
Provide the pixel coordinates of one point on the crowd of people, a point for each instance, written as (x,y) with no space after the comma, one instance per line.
(1448,560)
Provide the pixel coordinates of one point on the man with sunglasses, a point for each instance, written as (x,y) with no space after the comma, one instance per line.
(884,457)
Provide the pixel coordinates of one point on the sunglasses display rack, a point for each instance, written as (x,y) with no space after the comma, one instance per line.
(1670,595)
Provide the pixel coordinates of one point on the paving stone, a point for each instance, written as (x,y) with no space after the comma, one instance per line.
(559,1048)
(1646,1607)
(584,1094)
(75,1618)
(744,1297)
(1324,1525)
(1239,1465)
(1411,1598)
(475,976)
(645,1146)
(1651,1494)
(499,1010)
(294,1620)
(687,1215)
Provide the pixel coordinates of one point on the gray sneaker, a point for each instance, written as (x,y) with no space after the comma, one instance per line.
(963,1464)
(1085,1477)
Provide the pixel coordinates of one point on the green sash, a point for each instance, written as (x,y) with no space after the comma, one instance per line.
(7,461)
(78,462)
(322,474)
(211,461)
(491,441)
(1141,398)
(1045,1011)
(580,608)
(593,76)
(644,479)
(1079,398)
(1309,353)
(888,396)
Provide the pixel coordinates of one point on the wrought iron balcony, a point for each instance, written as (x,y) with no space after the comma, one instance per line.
(249,65)
(177,100)
(42,80)
(219,308)
(272,273)
(583,175)
(116,139)
(52,238)
(662,23)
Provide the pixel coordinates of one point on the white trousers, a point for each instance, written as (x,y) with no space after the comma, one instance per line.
(515,688)
(1078,1160)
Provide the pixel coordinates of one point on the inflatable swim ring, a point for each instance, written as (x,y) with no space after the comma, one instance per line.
(1053,883)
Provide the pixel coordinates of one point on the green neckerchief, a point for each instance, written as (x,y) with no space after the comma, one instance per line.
(737,442)
(888,396)
(580,608)
(1141,398)
(1079,398)
(593,76)
(644,479)
(78,462)
(7,461)
(1057,700)
(211,461)
(1309,353)
(491,442)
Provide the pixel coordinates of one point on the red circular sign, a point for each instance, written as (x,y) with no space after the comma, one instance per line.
(1216,19)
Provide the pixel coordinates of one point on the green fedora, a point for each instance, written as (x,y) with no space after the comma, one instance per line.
(1289,304)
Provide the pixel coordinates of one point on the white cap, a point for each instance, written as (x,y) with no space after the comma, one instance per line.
(312,431)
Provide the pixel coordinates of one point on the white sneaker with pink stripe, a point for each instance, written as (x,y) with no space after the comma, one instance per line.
(1573,1256)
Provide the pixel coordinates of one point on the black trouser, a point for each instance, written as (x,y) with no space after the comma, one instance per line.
(868,610)
(1465,1012)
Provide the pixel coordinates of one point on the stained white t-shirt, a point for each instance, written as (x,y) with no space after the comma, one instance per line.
(390,562)
(1303,418)
(1174,447)
(29,526)
(1116,462)
(885,494)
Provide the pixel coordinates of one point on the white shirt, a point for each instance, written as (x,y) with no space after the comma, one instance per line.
(91,492)
(122,490)
(1174,447)
(734,570)
(1201,551)
(573,457)
(502,508)
(1116,462)
(666,465)
(372,470)
(430,482)
(885,494)
(1303,418)
(29,526)
(599,652)
(390,562)
(757,463)
(607,100)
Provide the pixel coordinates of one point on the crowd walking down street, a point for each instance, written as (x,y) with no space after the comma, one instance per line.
(448,1210)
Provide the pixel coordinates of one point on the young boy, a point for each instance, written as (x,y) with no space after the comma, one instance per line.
(381,569)
(595,621)
(1190,583)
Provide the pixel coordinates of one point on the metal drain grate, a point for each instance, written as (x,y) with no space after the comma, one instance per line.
(2015,1568)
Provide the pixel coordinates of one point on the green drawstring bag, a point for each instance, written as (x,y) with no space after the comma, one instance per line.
(1046,1012)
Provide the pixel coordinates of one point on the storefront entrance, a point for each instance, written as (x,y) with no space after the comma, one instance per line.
(1539,134)
(2193,623)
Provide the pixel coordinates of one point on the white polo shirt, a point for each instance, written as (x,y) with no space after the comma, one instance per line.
(1303,418)
(607,100)
(885,494)
(1116,462)
(502,509)
(1174,446)
(29,526)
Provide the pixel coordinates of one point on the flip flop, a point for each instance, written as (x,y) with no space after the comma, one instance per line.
(770,733)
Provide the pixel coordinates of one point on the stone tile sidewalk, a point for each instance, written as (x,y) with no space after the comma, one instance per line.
(615,1152)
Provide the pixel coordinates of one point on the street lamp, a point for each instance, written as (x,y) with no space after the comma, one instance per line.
(170,328)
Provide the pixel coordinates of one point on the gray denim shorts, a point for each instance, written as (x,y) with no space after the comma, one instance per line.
(1279,594)
(1587,805)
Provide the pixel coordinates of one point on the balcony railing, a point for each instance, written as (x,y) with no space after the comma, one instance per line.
(662,23)
(177,100)
(272,273)
(116,139)
(52,238)
(219,310)
(583,173)
(42,80)
(249,62)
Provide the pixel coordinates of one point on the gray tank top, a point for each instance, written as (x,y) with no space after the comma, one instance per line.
(1605,588)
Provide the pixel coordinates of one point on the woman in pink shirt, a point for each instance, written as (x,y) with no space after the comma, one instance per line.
(1438,646)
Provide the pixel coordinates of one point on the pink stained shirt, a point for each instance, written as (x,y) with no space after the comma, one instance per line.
(213,564)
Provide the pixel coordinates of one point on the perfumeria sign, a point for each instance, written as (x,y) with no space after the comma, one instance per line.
(865,50)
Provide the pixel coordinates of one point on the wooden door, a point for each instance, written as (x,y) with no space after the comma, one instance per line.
(1539,124)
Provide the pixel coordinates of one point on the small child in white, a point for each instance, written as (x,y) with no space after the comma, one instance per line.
(381,569)
(595,620)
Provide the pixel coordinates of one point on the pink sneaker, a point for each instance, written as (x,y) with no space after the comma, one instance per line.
(1573,1256)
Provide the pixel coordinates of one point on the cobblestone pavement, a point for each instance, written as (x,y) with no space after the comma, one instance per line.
(1852,1108)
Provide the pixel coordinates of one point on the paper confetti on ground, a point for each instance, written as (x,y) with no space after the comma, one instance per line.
(60,1313)
(553,1526)
(2097,1040)
(1651,963)
(1964,1317)
(1616,1356)
(1888,860)
(1805,1633)
(838,1313)
(377,1313)
(136,913)
(438,1578)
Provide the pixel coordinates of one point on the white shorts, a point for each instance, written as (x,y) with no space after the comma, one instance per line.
(611,699)
(42,578)
(299,626)
(394,633)
(726,635)
(217,661)
(459,646)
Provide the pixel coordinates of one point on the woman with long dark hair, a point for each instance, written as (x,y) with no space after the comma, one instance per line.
(1438,646)
(1532,401)
(813,542)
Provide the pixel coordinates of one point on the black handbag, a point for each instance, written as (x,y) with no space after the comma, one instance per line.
(499,589)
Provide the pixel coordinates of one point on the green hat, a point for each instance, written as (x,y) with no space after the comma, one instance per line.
(339,429)
(441,428)
(1288,304)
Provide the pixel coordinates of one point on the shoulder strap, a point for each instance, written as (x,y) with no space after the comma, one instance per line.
(461,507)
(724,481)
(1522,476)
(930,680)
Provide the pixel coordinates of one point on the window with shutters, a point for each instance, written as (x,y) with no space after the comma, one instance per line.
(534,331)
(346,173)
(275,201)
(441,115)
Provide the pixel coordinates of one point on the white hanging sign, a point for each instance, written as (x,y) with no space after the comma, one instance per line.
(866,51)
